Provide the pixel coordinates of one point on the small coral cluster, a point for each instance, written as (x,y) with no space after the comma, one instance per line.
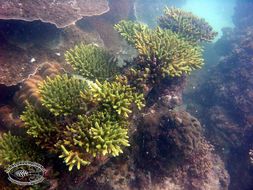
(164,51)
(103,64)
(186,25)
(61,95)
(15,148)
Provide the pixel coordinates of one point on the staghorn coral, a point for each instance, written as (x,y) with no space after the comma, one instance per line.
(61,127)
(168,53)
(128,30)
(15,148)
(114,96)
(186,25)
(104,131)
(45,132)
(92,62)
(61,95)
(177,56)
(92,136)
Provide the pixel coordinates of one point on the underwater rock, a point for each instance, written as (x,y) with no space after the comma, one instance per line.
(24,46)
(169,152)
(224,100)
(169,92)
(29,45)
(227,129)
(58,12)
(13,71)
(243,18)
(6,93)
(104,24)
(9,120)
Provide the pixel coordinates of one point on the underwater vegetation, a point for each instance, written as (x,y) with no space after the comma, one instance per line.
(85,114)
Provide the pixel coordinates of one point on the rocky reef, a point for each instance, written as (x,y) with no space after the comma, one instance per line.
(223,101)
(96,124)
(170,152)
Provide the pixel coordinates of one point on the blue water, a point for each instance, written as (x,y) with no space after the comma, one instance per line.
(218,13)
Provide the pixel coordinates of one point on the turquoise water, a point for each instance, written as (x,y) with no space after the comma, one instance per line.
(218,13)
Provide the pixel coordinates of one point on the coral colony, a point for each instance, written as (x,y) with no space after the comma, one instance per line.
(86,113)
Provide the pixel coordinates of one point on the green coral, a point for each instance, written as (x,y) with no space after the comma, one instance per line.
(169,50)
(61,95)
(14,149)
(114,96)
(104,131)
(92,62)
(79,119)
(128,30)
(186,25)
(40,127)
(93,136)
(175,55)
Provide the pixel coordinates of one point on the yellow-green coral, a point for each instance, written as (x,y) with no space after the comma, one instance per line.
(177,56)
(61,95)
(128,30)
(79,119)
(15,148)
(186,25)
(170,54)
(78,138)
(114,96)
(92,62)
(40,127)
(103,131)
(92,136)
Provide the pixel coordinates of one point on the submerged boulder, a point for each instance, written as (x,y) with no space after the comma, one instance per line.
(169,153)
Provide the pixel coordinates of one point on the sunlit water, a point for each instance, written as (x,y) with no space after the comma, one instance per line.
(218,13)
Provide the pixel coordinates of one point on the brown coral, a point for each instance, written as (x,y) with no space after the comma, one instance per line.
(29,89)
(58,12)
